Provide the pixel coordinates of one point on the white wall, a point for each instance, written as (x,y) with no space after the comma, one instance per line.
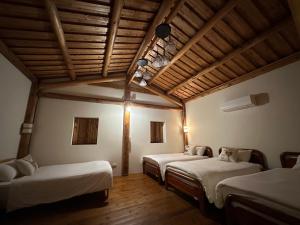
(14,92)
(272,127)
(51,140)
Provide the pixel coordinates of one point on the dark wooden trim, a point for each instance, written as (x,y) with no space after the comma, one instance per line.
(295,9)
(246,210)
(24,144)
(79,82)
(249,44)
(207,27)
(257,72)
(162,94)
(56,24)
(114,23)
(185,135)
(16,61)
(288,159)
(164,10)
(151,105)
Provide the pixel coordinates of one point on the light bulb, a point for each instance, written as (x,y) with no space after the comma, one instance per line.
(138,73)
(143,83)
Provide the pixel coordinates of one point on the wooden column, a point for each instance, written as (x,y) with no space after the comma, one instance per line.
(185,135)
(126,131)
(295,8)
(29,118)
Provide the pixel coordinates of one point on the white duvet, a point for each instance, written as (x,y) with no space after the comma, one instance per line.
(211,171)
(58,182)
(278,187)
(163,159)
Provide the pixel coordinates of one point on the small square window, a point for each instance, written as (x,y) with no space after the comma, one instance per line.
(85,131)
(157,132)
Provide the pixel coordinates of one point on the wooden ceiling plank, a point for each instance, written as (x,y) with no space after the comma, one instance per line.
(249,44)
(112,78)
(114,23)
(162,94)
(163,11)
(257,72)
(199,35)
(16,61)
(57,26)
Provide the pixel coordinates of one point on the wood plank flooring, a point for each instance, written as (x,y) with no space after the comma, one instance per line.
(136,199)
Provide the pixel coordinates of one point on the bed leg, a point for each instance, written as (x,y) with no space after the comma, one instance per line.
(202,205)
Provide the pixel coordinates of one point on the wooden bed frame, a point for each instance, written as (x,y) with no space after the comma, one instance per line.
(193,187)
(245,210)
(153,169)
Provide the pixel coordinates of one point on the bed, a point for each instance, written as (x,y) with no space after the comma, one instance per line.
(55,183)
(198,179)
(155,165)
(271,197)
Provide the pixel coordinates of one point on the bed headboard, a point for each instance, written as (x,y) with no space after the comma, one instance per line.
(288,159)
(256,156)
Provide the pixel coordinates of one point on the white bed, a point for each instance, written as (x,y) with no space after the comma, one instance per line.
(278,188)
(54,183)
(163,159)
(211,171)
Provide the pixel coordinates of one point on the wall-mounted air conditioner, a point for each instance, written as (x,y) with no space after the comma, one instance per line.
(239,103)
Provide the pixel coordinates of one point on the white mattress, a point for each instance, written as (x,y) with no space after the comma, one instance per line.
(211,171)
(278,188)
(163,159)
(4,188)
(58,182)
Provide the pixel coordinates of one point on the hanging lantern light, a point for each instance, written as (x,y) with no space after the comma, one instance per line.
(138,73)
(143,83)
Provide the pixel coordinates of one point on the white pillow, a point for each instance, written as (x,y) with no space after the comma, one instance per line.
(244,155)
(25,168)
(189,150)
(228,155)
(297,165)
(7,172)
(200,150)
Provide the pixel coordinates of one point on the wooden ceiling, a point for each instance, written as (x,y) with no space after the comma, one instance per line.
(219,43)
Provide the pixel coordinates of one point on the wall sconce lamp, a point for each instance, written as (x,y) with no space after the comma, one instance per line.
(186,129)
(128,109)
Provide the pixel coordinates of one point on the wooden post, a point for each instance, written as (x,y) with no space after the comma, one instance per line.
(29,119)
(295,9)
(185,135)
(126,131)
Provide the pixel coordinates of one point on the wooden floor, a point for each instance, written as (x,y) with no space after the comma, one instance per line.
(136,199)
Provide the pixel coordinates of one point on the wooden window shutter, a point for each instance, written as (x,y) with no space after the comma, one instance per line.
(156,132)
(85,131)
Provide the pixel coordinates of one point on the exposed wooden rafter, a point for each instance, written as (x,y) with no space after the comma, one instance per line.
(247,45)
(257,72)
(56,24)
(16,61)
(79,82)
(162,94)
(211,23)
(295,8)
(164,10)
(114,23)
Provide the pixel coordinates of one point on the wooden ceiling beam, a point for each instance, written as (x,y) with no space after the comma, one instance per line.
(247,45)
(257,72)
(164,10)
(114,23)
(16,61)
(162,94)
(199,35)
(56,24)
(79,82)
(295,9)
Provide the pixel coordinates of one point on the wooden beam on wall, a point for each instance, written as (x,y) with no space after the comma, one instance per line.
(151,105)
(79,82)
(16,61)
(247,45)
(164,10)
(24,144)
(257,72)
(196,38)
(185,135)
(56,24)
(295,8)
(114,23)
(162,94)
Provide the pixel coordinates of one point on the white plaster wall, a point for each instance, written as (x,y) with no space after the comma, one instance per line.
(51,140)
(272,128)
(14,92)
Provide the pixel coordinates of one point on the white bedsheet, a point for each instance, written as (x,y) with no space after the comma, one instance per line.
(163,159)
(211,171)
(58,182)
(279,188)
